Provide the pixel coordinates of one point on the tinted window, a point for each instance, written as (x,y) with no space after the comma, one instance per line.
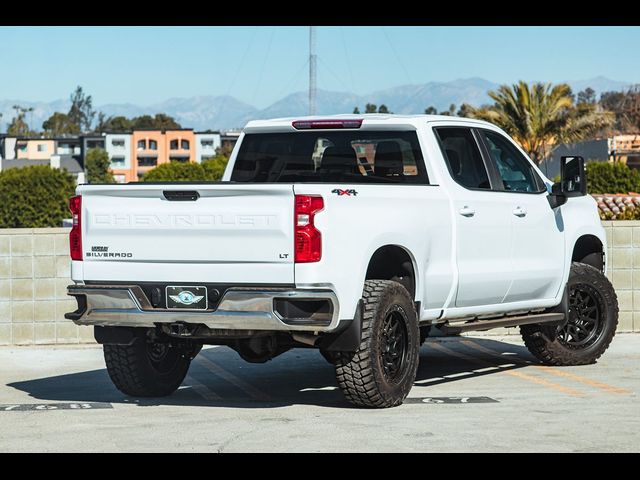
(463,158)
(353,156)
(515,170)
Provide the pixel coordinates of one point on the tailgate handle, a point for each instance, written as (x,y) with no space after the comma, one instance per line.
(181,195)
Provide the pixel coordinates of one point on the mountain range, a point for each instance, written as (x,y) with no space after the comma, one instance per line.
(223,112)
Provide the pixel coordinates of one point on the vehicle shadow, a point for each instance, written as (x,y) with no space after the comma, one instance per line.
(219,378)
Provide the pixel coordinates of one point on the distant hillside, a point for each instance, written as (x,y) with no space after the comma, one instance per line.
(219,112)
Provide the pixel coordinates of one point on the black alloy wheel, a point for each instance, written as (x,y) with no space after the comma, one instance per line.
(394,343)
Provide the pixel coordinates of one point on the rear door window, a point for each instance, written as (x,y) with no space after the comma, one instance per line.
(354,156)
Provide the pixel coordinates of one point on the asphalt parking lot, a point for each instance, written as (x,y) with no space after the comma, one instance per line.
(471,394)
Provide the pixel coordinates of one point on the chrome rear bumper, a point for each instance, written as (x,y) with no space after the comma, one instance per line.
(239,309)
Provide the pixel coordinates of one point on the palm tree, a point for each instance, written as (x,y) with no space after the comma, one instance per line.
(539,116)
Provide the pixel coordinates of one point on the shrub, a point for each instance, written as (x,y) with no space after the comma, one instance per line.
(175,172)
(208,171)
(605,177)
(35,196)
(214,167)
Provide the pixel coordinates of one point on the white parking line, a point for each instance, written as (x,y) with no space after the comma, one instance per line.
(488,369)
(459,374)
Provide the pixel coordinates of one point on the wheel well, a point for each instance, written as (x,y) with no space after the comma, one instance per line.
(393,263)
(588,249)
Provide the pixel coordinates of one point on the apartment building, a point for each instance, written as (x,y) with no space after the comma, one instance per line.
(35,148)
(206,145)
(151,148)
(118,147)
(132,154)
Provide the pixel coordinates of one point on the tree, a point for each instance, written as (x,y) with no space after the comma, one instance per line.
(114,124)
(588,96)
(450,112)
(383,109)
(626,108)
(224,151)
(18,126)
(60,124)
(143,121)
(431,110)
(540,115)
(97,166)
(162,121)
(370,108)
(356,111)
(464,110)
(81,112)
(35,196)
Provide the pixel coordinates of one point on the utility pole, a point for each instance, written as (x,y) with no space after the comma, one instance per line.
(312,71)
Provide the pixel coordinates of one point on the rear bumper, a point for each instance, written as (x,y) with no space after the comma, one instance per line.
(239,309)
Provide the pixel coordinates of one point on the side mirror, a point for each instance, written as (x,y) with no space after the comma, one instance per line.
(572,177)
(573,181)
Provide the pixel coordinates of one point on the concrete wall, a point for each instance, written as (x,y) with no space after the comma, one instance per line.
(34,274)
(623,269)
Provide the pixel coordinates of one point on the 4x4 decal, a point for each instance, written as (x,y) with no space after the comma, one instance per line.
(340,192)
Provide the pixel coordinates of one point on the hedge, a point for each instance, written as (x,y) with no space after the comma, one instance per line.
(606,177)
(35,196)
(207,171)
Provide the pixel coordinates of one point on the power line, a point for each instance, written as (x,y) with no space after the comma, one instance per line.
(293,78)
(235,77)
(346,54)
(395,53)
(336,76)
(264,64)
(313,66)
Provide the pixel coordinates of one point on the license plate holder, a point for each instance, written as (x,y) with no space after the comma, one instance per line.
(186,297)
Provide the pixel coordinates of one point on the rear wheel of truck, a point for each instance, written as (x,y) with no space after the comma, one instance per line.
(592,322)
(381,372)
(146,369)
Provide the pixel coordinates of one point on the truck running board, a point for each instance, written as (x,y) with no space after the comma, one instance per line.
(502,322)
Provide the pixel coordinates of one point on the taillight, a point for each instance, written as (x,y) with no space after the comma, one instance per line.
(308,237)
(75,236)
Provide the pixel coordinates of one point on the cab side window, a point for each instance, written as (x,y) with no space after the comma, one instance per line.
(514,169)
(463,157)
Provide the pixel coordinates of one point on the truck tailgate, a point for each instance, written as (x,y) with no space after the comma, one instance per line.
(230,233)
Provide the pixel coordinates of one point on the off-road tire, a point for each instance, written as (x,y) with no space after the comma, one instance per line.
(546,343)
(134,373)
(362,376)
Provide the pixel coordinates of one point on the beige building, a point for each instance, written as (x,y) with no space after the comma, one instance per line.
(35,148)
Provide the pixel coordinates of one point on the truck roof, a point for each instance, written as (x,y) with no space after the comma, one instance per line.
(368,119)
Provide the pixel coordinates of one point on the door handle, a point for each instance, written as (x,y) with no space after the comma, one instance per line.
(467,212)
(519,212)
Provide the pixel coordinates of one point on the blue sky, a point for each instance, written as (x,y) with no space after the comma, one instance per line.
(259,65)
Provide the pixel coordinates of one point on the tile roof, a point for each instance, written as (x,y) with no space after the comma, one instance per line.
(612,205)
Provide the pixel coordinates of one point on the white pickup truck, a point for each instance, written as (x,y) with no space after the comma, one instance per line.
(354,235)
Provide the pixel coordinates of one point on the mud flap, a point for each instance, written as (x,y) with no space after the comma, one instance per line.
(348,339)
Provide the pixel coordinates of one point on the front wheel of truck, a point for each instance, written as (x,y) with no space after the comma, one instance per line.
(592,322)
(146,369)
(381,372)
